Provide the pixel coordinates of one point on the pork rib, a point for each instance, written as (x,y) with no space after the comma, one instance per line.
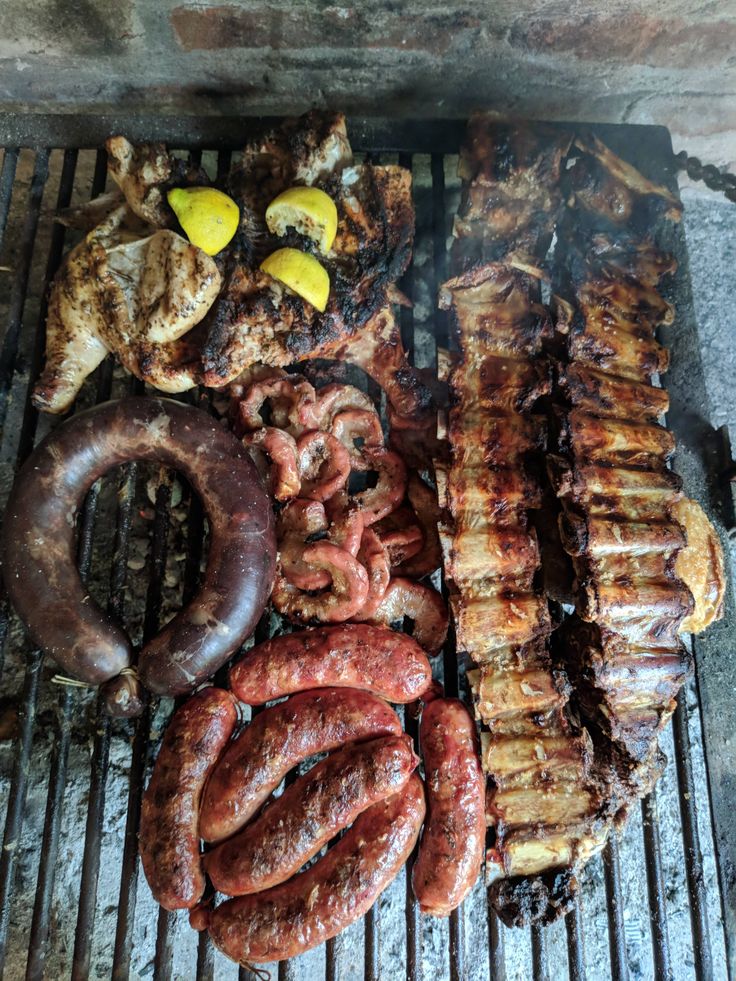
(546,802)
(619,520)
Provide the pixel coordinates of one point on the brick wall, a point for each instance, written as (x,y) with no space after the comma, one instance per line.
(663,61)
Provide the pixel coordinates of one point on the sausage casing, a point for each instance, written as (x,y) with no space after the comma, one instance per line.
(39,542)
(334,892)
(169,837)
(277,740)
(451,850)
(309,813)
(354,655)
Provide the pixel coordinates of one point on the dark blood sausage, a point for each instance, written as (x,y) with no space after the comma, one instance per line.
(453,841)
(309,813)
(169,837)
(280,738)
(334,892)
(353,655)
(39,542)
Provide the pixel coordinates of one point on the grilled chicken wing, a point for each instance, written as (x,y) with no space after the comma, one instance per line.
(143,174)
(135,297)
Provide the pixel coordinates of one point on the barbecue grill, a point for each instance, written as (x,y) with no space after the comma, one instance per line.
(660,902)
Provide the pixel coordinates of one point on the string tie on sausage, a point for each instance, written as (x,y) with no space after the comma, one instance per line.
(61,679)
(260,972)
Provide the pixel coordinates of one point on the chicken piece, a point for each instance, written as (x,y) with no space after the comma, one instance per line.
(258,319)
(701,566)
(144,173)
(134,297)
(612,192)
(510,192)
(377,349)
(89,214)
(304,150)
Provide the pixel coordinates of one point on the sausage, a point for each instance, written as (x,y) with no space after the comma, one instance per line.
(276,741)
(39,543)
(334,892)
(356,655)
(309,813)
(453,841)
(169,838)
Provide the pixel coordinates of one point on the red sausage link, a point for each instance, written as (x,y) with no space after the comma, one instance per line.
(276,741)
(39,542)
(309,813)
(451,850)
(353,655)
(334,892)
(169,837)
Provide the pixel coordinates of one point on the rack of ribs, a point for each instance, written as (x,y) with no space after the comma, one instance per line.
(624,521)
(549,804)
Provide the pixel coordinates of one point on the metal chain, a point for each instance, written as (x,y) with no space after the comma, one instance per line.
(711,176)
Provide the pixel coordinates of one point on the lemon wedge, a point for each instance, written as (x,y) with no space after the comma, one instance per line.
(302,273)
(209,217)
(307,209)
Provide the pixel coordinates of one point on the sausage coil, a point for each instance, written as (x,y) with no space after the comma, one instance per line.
(280,738)
(169,839)
(334,892)
(309,813)
(39,543)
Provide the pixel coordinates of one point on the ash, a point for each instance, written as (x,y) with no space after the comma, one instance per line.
(390,912)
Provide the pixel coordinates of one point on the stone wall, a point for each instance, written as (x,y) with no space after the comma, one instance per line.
(660,61)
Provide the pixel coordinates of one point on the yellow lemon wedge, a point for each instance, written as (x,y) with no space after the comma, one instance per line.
(209,217)
(307,209)
(302,273)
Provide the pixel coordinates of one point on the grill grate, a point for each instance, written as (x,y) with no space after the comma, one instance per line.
(69,932)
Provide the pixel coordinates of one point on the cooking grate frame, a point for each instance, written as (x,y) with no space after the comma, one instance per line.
(697,460)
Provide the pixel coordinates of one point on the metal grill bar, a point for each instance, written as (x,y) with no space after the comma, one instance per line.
(616,935)
(19,783)
(17,797)
(575,943)
(376,137)
(9,351)
(7,180)
(539,953)
(57,776)
(655,884)
(691,841)
(139,756)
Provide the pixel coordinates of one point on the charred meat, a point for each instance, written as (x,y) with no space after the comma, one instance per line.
(622,521)
(546,804)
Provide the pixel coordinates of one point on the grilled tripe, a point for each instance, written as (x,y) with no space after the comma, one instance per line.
(624,522)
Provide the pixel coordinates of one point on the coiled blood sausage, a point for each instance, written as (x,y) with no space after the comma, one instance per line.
(317,904)
(39,543)
(169,837)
